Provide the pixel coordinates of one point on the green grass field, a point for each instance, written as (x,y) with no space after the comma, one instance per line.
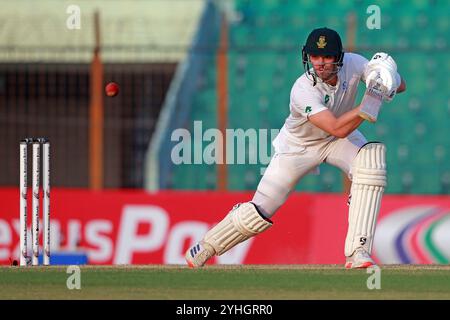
(266,282)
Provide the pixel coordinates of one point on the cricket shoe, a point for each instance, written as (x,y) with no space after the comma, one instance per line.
(360,259)
(197,255)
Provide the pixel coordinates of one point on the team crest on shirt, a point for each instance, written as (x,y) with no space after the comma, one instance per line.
(327,98)
(321,43)
(308,109)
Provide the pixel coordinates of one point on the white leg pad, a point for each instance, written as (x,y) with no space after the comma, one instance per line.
(368,183)
(241,223)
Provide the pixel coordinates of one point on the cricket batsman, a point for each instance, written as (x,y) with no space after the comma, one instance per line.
(321,128)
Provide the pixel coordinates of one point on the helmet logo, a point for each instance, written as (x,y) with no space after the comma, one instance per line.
(321,44)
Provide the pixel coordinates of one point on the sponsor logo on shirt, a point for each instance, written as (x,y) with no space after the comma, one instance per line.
(344,85)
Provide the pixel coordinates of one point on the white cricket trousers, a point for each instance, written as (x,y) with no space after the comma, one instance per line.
(289,165)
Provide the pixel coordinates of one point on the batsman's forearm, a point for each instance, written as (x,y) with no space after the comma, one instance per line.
(347,123)
(402,86)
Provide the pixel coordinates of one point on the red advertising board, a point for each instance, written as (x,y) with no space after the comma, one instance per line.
(135,227)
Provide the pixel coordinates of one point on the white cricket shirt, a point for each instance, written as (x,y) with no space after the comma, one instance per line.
(307,100)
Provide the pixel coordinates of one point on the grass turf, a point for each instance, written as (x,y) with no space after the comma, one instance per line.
(262,282)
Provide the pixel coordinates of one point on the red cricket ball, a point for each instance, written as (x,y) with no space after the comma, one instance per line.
(112,89)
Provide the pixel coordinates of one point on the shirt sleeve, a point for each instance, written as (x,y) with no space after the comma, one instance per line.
(359,64)
(305,102)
